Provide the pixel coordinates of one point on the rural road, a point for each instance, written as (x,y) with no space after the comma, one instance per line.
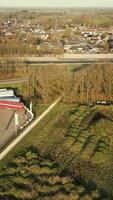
(8,81)
(24,133)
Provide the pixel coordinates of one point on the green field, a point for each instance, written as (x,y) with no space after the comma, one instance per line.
(79,138)
(12,85)
(31,176)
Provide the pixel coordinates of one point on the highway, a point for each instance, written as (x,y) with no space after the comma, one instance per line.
(28,129)
(71,59)
(66,62)
(65,59)
(64,56)
(35,63)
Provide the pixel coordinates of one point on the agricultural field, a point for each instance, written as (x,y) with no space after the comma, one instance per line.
(79,139)
(29,171)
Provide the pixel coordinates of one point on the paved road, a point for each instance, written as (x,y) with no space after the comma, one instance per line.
(65,56)
(71,59)
(8,81)
(65,62)
(88,56)
(20,137)
(68,62)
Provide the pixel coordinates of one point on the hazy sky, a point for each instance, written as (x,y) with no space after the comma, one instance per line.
(56,3)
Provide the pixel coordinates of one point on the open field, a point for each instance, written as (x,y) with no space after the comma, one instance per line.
(79,138)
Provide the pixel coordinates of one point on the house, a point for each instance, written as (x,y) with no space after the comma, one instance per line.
(50,48)
(110,43)
(76,48)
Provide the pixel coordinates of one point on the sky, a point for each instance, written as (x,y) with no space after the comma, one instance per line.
(56,3)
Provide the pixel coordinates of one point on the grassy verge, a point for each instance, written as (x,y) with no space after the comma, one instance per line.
(12,85)
(38,109)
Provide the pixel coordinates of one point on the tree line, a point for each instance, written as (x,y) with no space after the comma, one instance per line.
(91,83)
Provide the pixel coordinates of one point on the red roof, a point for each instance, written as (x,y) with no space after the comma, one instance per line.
(11,105)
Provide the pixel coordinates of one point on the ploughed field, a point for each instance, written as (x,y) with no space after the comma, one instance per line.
(79,138)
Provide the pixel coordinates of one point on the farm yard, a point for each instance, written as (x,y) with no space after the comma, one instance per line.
(81,144)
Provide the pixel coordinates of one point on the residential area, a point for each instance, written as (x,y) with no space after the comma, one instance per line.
(34,33)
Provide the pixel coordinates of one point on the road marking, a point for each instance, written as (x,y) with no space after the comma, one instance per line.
(20,137)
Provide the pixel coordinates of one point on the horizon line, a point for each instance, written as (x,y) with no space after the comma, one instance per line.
(56,7)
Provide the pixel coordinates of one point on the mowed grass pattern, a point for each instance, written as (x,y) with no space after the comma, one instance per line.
(91,136)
